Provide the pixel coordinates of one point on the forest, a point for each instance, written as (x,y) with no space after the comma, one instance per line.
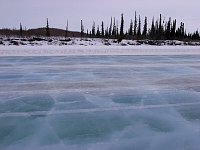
(159,29)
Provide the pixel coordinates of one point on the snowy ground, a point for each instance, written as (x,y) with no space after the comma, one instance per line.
(97,101)
(97,50)
(60,41)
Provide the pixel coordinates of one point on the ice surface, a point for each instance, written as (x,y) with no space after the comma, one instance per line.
(100,102)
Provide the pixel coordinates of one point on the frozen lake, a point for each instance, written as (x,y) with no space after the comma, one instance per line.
(100,102)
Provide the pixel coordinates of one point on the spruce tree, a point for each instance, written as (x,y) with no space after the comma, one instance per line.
(114,29)
(160,28)
(117,29)
(157,30)
(168,29)
(144,33)
(66,31)
(122,26)
(102,29)
(93,29)
(130,33)
(152,30)
(135,25)
(107,33)
(180,32)
(21,30)
(82,29)
(139,28)
(173,29)
(47,29)
(110,29)
(182,28)
(98,33)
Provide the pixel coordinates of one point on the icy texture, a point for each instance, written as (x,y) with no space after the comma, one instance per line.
(100,102)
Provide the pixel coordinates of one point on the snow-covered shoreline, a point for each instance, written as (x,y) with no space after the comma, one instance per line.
(60,41)
(56,46)
(68,50)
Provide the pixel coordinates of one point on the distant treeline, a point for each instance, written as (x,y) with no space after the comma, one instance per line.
(159,30)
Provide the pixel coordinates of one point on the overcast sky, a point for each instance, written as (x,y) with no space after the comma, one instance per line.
(33,13)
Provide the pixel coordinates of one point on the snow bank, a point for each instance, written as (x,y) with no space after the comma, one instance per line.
(97,50)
